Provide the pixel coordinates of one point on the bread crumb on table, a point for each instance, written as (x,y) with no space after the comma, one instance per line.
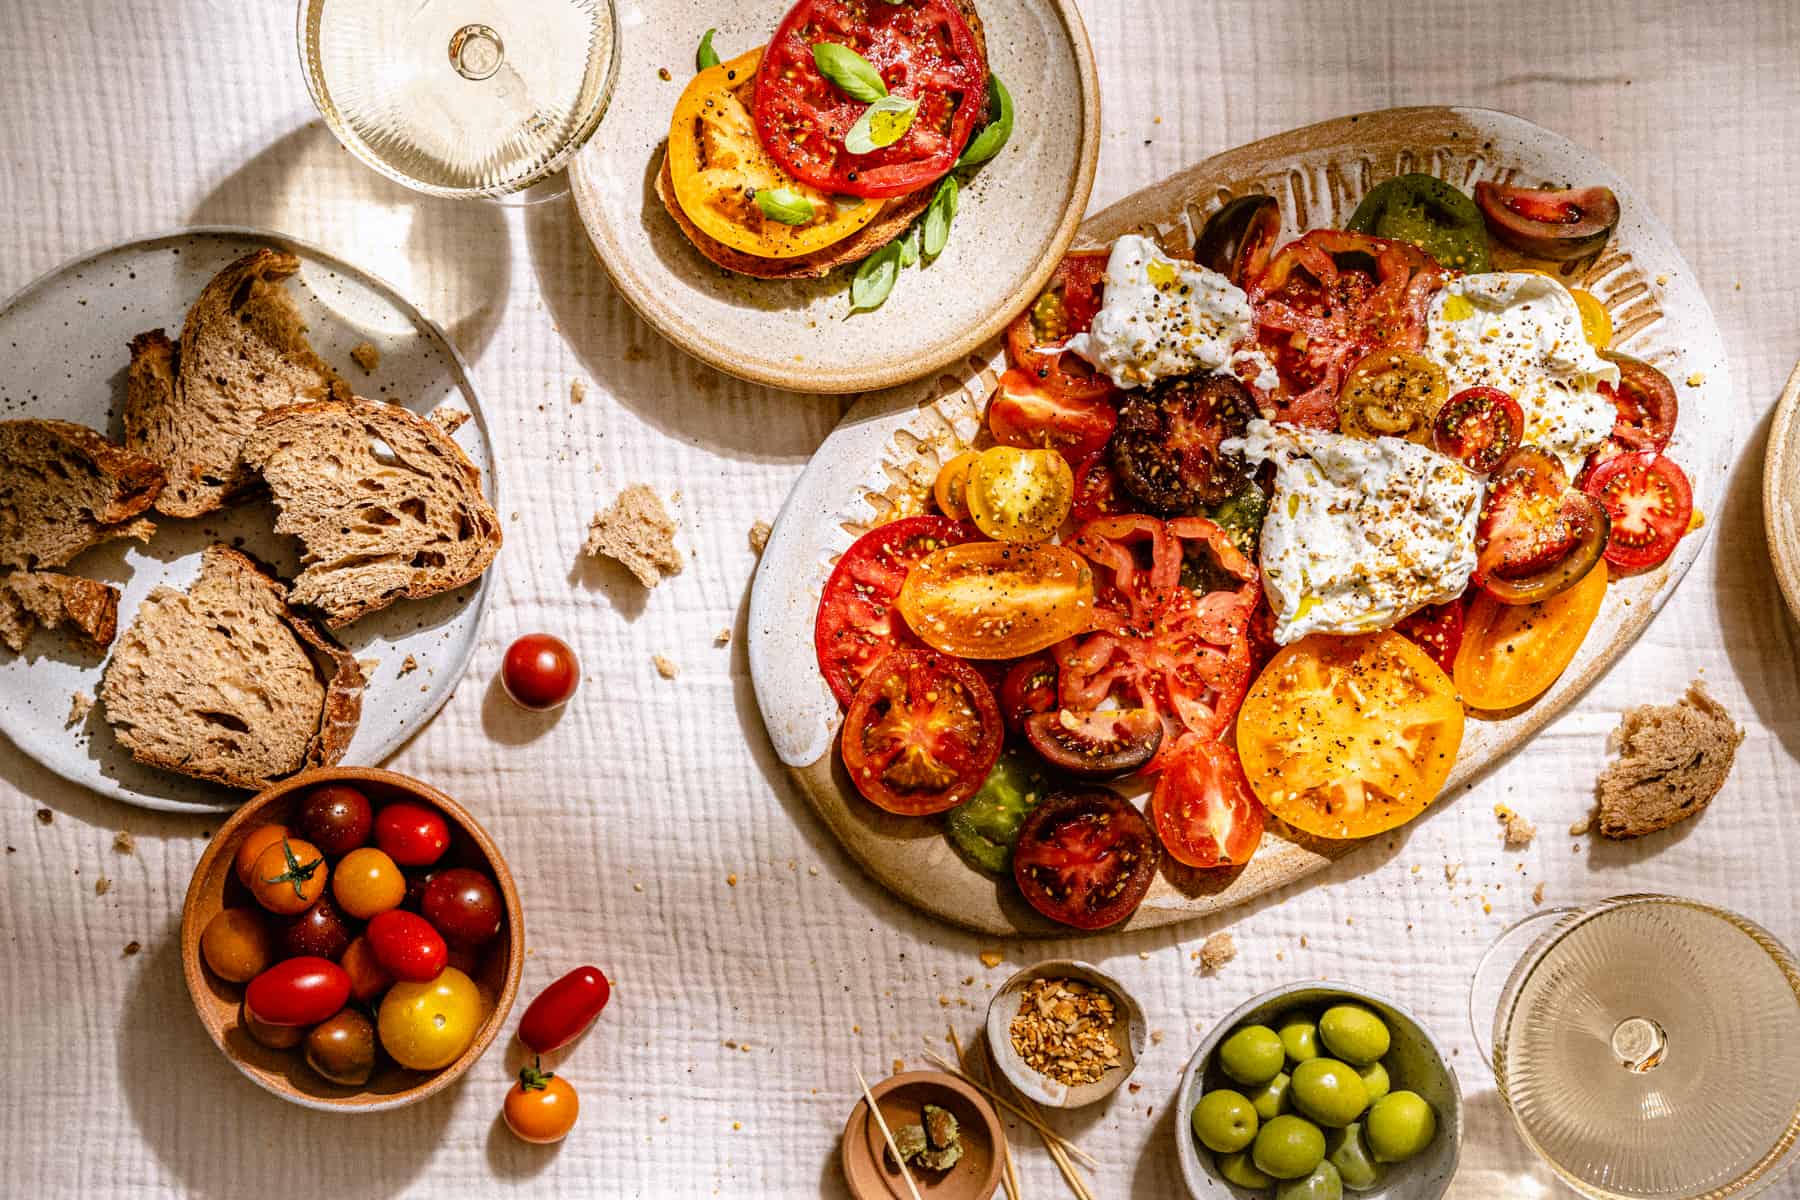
(577,391)
(132,948)
(1517,831)
(759,536)
(1673,759)
(102,886)
(1583,826)
(992,958)
(80,705)
(638,533)
(1537,894)
(723,637)
(124,843)
(366,356)
(1217,950)
(45,816)
(665,667)
(1450,870)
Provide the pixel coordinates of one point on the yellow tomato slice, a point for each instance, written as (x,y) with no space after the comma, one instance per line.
(1019,495)
(1512,653)
(951,486)
(1596,322)
(719,164)
(1345,737)
(989,600)
(1392,393)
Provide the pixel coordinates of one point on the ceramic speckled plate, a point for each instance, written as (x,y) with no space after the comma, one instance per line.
(64,340)
(890,445)
(1781,492)
(1015,220)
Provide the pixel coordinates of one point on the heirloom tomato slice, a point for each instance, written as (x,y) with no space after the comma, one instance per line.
(1512,653)
(1650,503)
(922,733)
(1066,307)
(1031,414)
(1085,858)
(1203,808)
(996,600)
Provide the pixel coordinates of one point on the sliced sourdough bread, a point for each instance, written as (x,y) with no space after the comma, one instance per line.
(86,610)
(225,682)
(385,505)
(1673,759)
(243,351)
(64,488)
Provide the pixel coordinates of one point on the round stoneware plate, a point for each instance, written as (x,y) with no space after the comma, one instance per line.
(64,340)
(1017,213)
(890,444)
(1781,492)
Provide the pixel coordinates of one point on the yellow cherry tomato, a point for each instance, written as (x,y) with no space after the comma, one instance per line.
(425,1026)
(254,843)
(1391,393)
(952,483)
(993,600)
(288,876)
(1019,495)
(1512,653)
(1596,322)
(367,882)
(541,1108)
(237,945)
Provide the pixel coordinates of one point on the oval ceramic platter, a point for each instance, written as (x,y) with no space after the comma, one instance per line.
(1017,214)
(890,444)
(64,340)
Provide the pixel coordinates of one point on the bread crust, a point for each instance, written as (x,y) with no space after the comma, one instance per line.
(85,610)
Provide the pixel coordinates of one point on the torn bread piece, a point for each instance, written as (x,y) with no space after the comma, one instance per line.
(86,610)
(638,532)
(1673,759)
(65,488)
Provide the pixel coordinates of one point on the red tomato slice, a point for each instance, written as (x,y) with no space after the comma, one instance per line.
(924,51)
(1319,311)
(1204,811)
(1028,689)
(1647,409)
(1085,858)
(857,623)
(1096,489)
(1027,414)
(1066,308)
(1479,427)
(922,733)
(1650,503)
(1437,629)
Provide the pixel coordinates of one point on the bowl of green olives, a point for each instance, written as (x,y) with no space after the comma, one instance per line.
(1319,1091)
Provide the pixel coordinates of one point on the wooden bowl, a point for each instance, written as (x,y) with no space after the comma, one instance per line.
(219,1003)
(900,1097)
(1130,1033)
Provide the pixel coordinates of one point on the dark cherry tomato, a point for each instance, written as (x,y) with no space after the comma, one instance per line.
(1646,409)
(1650,503)
(367,977)
(1536,535)
(1028,689)
(416,883)
(411,834)
(464,905)
(1479,427)
(1166,450)
(298,991)
(1555,225)
(406,946)
(1103,744)
(1236,240)
(564,1009)
(320,931)
(275,1037)
(540,672)
(336,818)
(342,1049)
(1085,858)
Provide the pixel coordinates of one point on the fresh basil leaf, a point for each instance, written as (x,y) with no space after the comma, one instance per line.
(990,137)
(707,56)
(855,75)
(875,278)
(909,245)
(938,215)
(882,124)
(784,205)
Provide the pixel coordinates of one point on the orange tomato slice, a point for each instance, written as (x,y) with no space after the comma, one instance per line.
(1512,653)
(989,600)
(1346,737)
(951,486)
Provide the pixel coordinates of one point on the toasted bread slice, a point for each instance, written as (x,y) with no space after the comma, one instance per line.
(243,352)
(385,505)
(225,682)
(1673,759)
(64,488)
(86,610)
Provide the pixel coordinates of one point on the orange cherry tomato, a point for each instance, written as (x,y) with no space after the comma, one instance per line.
(541,1108)
(1346,737)
(288,876)
(367,882)
(237,944)
(254,843)
(368,978)
(951,486)
(989,600)
(1512,653)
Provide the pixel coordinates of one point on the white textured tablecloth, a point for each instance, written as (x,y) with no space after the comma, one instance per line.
(628,819)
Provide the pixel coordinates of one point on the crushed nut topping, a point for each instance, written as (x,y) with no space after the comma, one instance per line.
(1064,1030)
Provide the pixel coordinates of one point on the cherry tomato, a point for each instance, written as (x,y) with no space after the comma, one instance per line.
(1391,393)
(995,600)
(1035,339)
(950,487)
(342,1048)
(1479,427)
(1020,495)
(564,1010)
(406,945)
(1096,489)
(1236,240)
(411,834)
(298,991)
(857,624)
(1027,414)
(1028,689)
(1650,503)
(288,876)
(320,931)
(1646,409)
(1168,450)
(1085,858)
(1536,536)
(922,733)
(236,944)
(425,1026)
(540,672)
(1204,811)
(1596,322)
(367,978)
(541,1108)
(1436,629)
(464,905)
(367,882)
(336,818)
(1102,744)
(254,843)
(275,1037)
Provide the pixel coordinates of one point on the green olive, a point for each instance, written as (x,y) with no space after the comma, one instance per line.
(1252,1055)
(1322,1184)
(1272,1099)
(1375,1078)
(1400,1125)
(1299,1035)
(342,1048)
(1237,1168)
(1329,1092)
(1288,1147)
(1354,1033)
(1224,1121)
(1348,1151)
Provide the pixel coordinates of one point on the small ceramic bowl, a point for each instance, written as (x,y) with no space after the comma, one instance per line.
(1416,1061)
(901,1098)
(1129,1033)
(219,1002)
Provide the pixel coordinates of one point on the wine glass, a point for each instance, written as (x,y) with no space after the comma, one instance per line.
(462,98)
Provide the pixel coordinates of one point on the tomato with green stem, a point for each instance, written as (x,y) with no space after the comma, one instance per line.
(541,1108)
(288,876)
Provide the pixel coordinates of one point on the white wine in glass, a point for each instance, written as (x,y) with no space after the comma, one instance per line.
(461,97)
